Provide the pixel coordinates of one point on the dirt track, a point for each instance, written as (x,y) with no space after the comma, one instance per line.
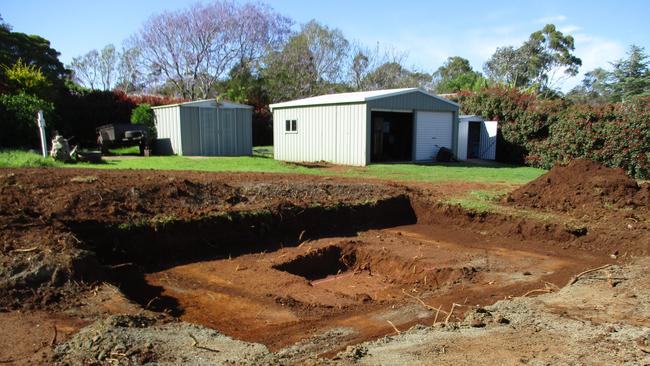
(305,266)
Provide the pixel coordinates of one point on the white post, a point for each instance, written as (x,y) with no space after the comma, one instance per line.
(41,126)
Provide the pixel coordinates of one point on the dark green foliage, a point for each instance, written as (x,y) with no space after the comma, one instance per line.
(31,79)
(33,51)
(392,75)
(627,138)
(18,119)
(244,87)
(542,132)
(456,75)
(631,76)
(82,111)
(143,115)
(618,135)
(523,117)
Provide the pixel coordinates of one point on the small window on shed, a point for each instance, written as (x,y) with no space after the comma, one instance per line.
(291,125)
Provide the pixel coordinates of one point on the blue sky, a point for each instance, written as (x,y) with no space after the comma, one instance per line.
(428,31)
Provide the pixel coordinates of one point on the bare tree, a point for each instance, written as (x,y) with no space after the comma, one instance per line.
(365,61)
(328,49)
(96,69)
(312,62)
(85,69)
(129,70)
(107,66)
(194,48)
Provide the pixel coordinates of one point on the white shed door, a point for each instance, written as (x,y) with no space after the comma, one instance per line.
(433,130)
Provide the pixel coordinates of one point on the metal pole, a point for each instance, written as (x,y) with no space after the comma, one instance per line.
(41,126)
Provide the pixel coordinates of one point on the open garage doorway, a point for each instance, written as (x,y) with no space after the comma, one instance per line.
(392,136)
(474,140)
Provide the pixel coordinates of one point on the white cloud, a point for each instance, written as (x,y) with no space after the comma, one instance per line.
(594,52)
(551,19)
(428,51)
(571,28)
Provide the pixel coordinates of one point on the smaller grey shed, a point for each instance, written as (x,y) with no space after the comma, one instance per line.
(204,128)
(477,138)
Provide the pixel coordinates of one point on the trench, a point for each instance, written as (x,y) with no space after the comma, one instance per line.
(320,264)
(281,275)
(133,249)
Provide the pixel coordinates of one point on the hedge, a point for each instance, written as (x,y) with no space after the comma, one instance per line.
(542,132)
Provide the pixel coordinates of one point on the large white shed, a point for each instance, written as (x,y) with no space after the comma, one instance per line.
(204,128)
(477,138)
(365,127)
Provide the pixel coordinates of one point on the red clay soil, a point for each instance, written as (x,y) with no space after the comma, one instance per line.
(278,258)
(282,297)
(582,184)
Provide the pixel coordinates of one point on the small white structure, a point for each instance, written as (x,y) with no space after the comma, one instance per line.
(477,138)
(365,127)
(204,128)
(40,122)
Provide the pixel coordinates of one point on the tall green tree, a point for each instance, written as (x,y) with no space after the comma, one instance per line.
(544,59)
(31,79)
(242,86)
(33,51)
(394,75)
(310,63)
(595,87)
(508,66)
(18,107)
(631,76)
(456,74)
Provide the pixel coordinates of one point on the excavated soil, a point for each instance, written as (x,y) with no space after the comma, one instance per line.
(584,185)
(134,267)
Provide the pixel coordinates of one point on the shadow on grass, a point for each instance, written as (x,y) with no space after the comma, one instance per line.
(263,151)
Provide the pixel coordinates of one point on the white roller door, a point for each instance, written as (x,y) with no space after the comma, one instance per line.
(433,130)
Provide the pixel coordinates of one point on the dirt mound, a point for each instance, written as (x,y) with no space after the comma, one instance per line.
(138,340)
(581,184)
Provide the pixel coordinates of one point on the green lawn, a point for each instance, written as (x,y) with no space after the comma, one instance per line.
(19,158)
(129,150)
(261,162)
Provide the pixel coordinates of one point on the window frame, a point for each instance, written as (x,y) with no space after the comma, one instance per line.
(292,125)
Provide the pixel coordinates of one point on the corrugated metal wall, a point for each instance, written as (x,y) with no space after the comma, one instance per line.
(191,130)
(416,101)
(463,135)
(168,129)
(488,145)
(216,131)
(487,142)
(333,133)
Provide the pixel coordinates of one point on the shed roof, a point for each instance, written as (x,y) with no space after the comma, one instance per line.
(355,97)
(207,103)
(471,117)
